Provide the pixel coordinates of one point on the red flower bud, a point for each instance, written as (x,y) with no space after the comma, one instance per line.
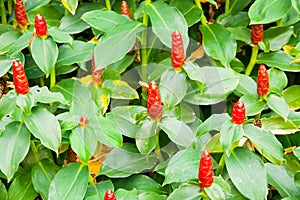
(20,13)
(206,170)
(257,33)
(177,55)
(262,81)
(40,26)
(20,79)
(83,121)
(125,9)
(96,74)
(109,195)
(238,113)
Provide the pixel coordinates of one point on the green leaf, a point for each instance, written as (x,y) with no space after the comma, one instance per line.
(60,36)
(279,178)
(278,80)
(183,190)
(6,64)
(218,43)
(267,11)
(278,126)
(280,60)
(3,191)
(22,188)
(277,37)
(109,50)
(25,102)
(194,72)
(266,143)
(236,5)
(96,192)
(218,84)
(253,104)
(52,18)
(120,89)
(213,145)
(183,112)
(17,137)
(65,87)
(49,133)
(162,18)
(104,20)
(151,195)
(230,133)
(172,87)
(215,192)
(278,105)
(43,95)
(7,40)
(70,5)
(241,33)
(296,5)
(121,162)
(247,173)
(236,20)
(214,122)
(31,69)
(296,152)
(70,182)
(78,53)
(178,132)
(21,43)
(42,50)
(291,96)
(122,194)
(183,166)
(35,4)
(42,174)
(145,137)
(7,104)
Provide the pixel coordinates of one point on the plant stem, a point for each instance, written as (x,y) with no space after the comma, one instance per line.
(52,77)
(221,165)
(108,6)
(10,6)
(204,195)
(3,12)
(227,2)
(42,81)
(34,151)
(203,18)
(157,149)
(91,180)
(252,60)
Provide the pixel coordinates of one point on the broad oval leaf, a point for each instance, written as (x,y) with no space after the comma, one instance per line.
(215,192)
(60,36)
(43,95)
(3,191)
(122,194)
(218,43)
(214,122)
(20,44)
(70,5)
(237,5)
(120,89)
(70,182)
(5,64)
(253,104)
(278,126)
(7,104)
(17,137)
(7,39)
(247,173)
(291,96)
(145,137)
(183,190)
(278,105)
(96,192)
(278,80)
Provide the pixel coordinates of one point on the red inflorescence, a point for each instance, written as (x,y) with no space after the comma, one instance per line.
(109,195)
(125,9)
(40,26)
(20,79)
(20,13)
(177,55)
(96,74)
(263,84)
(238,113)
(83,121)
(257,33)
(206,170)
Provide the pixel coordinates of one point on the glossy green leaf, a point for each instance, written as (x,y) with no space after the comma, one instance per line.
(218,84)
(25,102)
(120,89)
(213,145)
(145,137)
(178,132)
(21,43)
(65,87)
(279,178)
(172,87)
(49,133)
(183,112)
(215,192)
(5,65)
(122,194)
(3,191)
(183,166)
(22,188)
(194,72)
(278,80)
(17,137)
(296,152)
(96,192)
(31,69)
(278,105)
(70,182)
(291,96)
(292,17)
(78,53)
(183,190)
(60,36)
(277,37)
(52,18)
(218,43)
(241,33)
(7,40)
(7,104)
(35,4)
(70,5)
(296,5)
(162,18)
(266,143)
(214,122)
(235,20)
(152,195)
(247,173)
(42,50)
(253,104)
(42,174)
(236,5)
(278,126)
(280,60)
(267,11)
(121,162)
(104,20)
(43,95)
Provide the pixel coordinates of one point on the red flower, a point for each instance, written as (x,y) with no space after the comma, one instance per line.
(177,55)
(83,121)
(238,113)
(20,13)
(20,79)
(263,84)
(125,10)
(109,195)
(96,74)
(40,26)
(206,170)
(257,33)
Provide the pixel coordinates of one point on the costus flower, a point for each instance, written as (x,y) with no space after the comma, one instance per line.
(238,113)
(125,10)
(20,13)
(263,84)
(40,26)
(206,170)
(177,54)
(257,33)
(20,78)
(109,195)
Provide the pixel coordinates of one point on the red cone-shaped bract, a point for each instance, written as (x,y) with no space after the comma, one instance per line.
(109,195)
(20,13)
(206,170)
(20,79)
(257,33)
(154,104)
(125,9)
(83,121)
(262,81)
(177,56)
(238,113)
(96,74)
(40,25)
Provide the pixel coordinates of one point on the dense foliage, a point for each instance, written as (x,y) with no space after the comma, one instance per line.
(173,99)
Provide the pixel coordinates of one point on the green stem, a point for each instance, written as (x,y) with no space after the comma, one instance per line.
(10,6)
(91,180)
(252,60)
(42,81)
(108,6)
(221,165)
(157,149)
(227,2)
(204,195)
(34,151)
(3,12)
(203,18)
(52,77)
